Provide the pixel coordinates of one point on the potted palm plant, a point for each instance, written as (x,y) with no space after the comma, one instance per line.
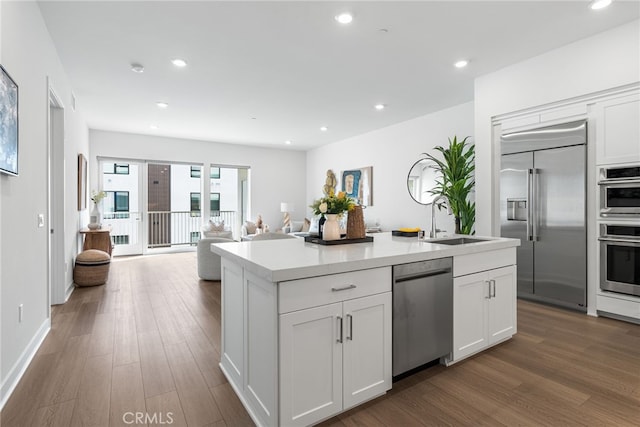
(456,180)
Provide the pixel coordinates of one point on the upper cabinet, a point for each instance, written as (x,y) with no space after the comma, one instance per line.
(618,130)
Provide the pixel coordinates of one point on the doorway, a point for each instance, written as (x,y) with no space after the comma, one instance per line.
(122,208)
(57,267)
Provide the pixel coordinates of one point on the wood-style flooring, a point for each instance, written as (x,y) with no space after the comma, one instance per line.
(147,345)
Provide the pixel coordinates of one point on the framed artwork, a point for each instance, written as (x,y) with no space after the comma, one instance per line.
(8,124)
(82,182)
(358,184)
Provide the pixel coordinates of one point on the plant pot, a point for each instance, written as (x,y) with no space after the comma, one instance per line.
(331,230)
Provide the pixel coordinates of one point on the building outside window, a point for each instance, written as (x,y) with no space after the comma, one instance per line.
(215,172)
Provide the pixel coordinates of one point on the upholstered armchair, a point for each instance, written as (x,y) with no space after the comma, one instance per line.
(209,263)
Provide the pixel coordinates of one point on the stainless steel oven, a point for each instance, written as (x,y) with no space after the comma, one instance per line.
(619,191)
(620,258)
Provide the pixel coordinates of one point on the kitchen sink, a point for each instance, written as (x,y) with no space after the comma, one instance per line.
(458,241)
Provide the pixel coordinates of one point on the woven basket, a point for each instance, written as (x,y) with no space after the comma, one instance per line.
(91,268)
(355,223)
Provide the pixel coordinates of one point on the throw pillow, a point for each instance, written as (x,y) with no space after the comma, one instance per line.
(296,226)
(250,226)
(306,226)
(219,226)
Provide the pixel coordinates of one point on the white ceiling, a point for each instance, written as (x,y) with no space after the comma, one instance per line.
(260,73)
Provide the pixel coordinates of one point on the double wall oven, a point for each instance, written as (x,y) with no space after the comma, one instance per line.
(620,230)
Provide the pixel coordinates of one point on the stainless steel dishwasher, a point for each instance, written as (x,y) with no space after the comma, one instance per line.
(422,313)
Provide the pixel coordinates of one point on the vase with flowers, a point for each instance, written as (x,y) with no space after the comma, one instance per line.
(95,216)
(332,207)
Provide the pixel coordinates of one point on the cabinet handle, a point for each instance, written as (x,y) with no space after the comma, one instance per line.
(340,329)
(350,323)
(344,288)
(488,282)
(493,284)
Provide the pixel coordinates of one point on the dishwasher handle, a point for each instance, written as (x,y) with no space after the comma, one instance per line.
(422,274)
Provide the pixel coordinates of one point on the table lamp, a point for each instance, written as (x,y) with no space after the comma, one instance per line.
(286,208)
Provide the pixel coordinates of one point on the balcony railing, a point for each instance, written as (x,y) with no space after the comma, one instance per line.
(175,228)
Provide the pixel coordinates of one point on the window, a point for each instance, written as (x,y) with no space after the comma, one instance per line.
(196,171)
(195,237)
(215,173)
(121,169)
(195,204)
(116,168)
(215,203)
(117,205)
(122,239)
(121,199)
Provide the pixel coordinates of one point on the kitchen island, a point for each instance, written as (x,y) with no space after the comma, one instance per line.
(306,328)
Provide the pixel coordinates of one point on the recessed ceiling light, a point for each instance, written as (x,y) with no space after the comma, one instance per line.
(161,104)
(324,128)
(379,107)
(137,68)
(287,142)
(154,127)
(599,4)
(461,64)
(344,18)
(179,62)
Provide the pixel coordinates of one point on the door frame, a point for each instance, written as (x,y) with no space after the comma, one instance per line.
(57,267)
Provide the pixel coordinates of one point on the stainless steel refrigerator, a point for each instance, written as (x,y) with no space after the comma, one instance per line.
(543,203)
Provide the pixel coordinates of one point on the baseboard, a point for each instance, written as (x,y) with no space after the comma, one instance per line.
(19,368)
(70,288)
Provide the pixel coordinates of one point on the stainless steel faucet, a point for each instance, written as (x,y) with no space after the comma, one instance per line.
(434,230)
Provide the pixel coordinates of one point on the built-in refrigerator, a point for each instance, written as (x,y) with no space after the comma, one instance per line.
(543,203)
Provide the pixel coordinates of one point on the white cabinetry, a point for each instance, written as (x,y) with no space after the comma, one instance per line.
(485,310)
(337,355)
(300,351)
(618,130)
(484,302)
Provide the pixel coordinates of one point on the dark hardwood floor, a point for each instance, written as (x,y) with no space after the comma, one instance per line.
(148,342)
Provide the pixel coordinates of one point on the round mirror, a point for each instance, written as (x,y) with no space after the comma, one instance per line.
(422,179)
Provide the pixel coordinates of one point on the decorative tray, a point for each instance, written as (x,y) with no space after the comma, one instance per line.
(404,233)
(319,241)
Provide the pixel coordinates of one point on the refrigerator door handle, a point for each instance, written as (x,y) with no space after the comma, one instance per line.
(535,173)
(529,207)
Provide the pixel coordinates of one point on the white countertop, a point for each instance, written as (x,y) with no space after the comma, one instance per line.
(290,259)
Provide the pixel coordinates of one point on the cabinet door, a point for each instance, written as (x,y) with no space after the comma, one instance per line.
(367,348)
(470,317)
(502,305)
(232,334)
(310,364)
(618,130)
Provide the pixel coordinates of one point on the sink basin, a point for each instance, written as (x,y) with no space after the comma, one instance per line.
(459,241)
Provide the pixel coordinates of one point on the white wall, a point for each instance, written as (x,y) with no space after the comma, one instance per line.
(276,175)
(391,151)
(606,60)
(30,57)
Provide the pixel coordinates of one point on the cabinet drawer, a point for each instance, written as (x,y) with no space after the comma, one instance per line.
(315,291)
(483,261)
